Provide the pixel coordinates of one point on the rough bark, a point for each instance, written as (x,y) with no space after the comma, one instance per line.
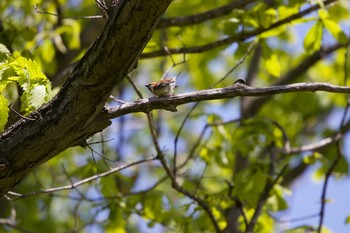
(77,111)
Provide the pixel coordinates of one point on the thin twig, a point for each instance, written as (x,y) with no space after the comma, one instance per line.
(84,181)
(173,61)
(176,139)
(201,136)
(262,200)
(66,17)
(134,85)
(20,115)
(240,62)
(315,146)
(175,184)
(12,224)
(334,164)
(239,205)
(197,103)
(99,154)
(325,185)
(296,219)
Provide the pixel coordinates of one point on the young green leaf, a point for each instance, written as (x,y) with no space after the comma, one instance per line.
(335,30)
(4,112)
(4,53)
(313,38)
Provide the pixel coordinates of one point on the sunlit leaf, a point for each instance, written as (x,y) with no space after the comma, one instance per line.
(312,159)
(347,220)
(335,30)
(272,65)
(313,38)
(273,32)
(4,52)
(219,218)
(116,223)
(4,111)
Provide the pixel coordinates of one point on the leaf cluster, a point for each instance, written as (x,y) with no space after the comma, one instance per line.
(35,87)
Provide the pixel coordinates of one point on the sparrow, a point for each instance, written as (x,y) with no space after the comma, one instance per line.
(165,87)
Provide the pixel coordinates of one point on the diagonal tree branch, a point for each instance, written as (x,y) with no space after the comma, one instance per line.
(68,118)
(204,16)
(236,38)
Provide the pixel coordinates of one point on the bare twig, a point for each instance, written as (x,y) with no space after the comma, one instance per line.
(13,224)
(240,62)
(296,219)
(66,17)
(84,181)
(173,61)
(335,162)
(315,146)
(262,200)
(20,115)
(99,154)
(329,172)
(134,85)
(171,175)
(197,103)
(325,185)
(201,136)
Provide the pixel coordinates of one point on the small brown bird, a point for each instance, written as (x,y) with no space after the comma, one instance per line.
(165,87)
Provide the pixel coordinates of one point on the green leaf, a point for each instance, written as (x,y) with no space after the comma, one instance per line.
(273,32)
(277,200)
(249,186)
(231,26)
(347,220)
(313,38)
(35,85)
(285,11)
(4,112)
(272,65)
(335,30)
(108,186)
(220,218)
(116,222)
(34,98)
(48,51)
(4,52)
(312,159)
(301,229)
(71,31)
(152,205)
(205,155)
(270,60)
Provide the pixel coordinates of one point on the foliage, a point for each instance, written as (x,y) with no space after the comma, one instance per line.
(236,156)
(14,68)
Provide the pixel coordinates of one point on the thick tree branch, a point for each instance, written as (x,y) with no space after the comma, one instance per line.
(238,89)
(236,38)
(204,16)
(75,112)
